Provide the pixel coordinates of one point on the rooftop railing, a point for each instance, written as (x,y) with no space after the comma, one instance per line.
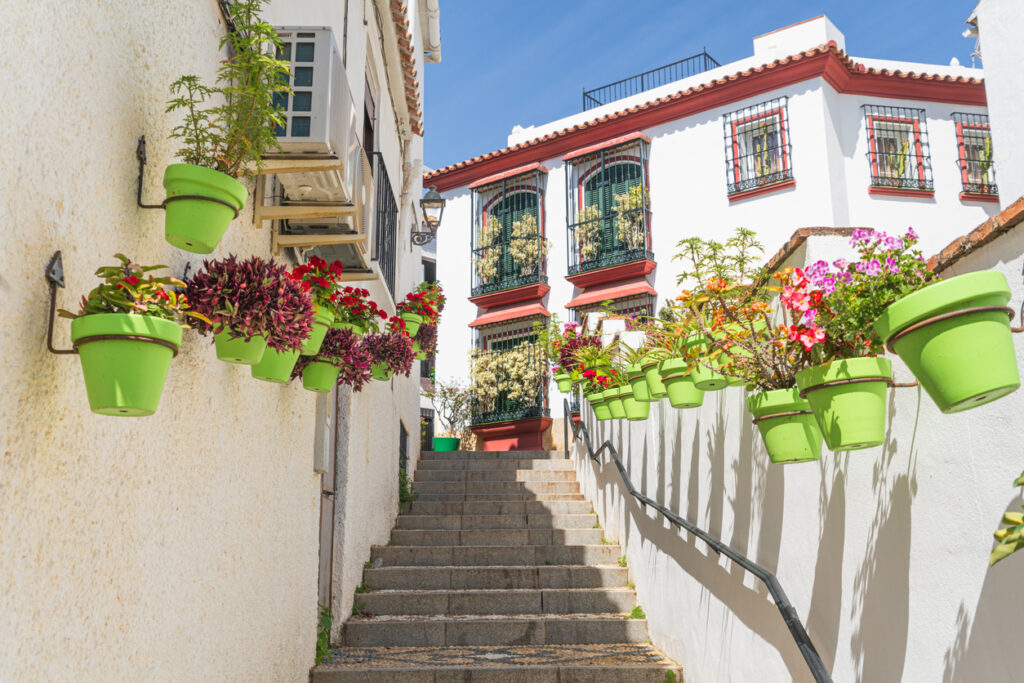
(684,68)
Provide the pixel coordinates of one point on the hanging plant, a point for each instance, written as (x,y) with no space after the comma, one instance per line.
(390,352)
(417,308)
(320,280)
(354,310)
(341,360)
(588,232)
(425,342)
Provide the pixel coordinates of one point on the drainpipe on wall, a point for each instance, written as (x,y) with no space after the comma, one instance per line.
(432,49)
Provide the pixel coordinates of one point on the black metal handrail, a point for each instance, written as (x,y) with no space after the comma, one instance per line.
(789,615)
(625,87)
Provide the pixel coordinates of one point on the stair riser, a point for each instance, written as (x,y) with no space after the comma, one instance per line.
(443,632)
(494,578)
(452,522)
(491,537)
(488,465)
(421,507)
(422,476)
(499,602)
(499,497)
(532,674)
(492,455)
(462,556)
(497,487)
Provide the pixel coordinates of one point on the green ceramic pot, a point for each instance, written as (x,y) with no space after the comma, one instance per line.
(655,387)
(564,382)
(323,318)
(320,377)
(787,438)
(446,444)
(679,386)
(239,350)
(412,323)
(381,371)
(356,329)
(636,411)
(613,397)
(704,378)
(601,409)
(638,383)
(421,355)
(197,225)
(276,366)
(124,377)
(851,416)
(961,362)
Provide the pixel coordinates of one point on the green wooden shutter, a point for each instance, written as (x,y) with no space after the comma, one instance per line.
(600,191)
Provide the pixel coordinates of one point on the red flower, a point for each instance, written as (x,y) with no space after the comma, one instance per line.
(131,280)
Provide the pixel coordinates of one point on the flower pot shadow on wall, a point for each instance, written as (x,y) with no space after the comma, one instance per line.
(323,318)
(851,416)
(276,366)
(125,377)
(787,438)
(446,444)
(320,377)
(964,361)
(197,225)
(679,386)
(239,350)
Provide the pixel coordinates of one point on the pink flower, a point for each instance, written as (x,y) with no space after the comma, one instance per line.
(841,264)
(873,267)
(809,316)
(828,285)
(892,265)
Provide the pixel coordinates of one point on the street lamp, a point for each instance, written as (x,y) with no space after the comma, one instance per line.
(432,206)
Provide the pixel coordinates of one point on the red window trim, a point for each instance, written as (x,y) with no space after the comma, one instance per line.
(764,189)
(780,112)
(962,160)
(606,144)
(511,173)
(918,149)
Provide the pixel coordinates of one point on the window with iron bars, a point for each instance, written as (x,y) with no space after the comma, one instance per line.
(898,148)
(757,146)
(385,243)
(608,207)
(642,306)
(509,373)
(508,247)
(974,143)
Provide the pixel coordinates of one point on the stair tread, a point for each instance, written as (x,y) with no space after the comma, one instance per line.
(485,656)
(409,618)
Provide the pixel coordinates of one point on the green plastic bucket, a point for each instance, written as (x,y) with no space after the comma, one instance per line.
(679,386)
(788,428)
(655,387)
(239,350)
(851,415)
(276,366)
(564,382)
(601,409)
(613,397)
(704,378)
(320,377)
(197,225)
(638,383)
(964,361)
(446,444)
(412,323)
(636,411)
(125,377)
(381,371)
(323,318)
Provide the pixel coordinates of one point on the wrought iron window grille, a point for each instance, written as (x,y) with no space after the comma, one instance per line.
(642,306)
(899,153)
(676,71)
(608,208)
(974,147)
(385,241)
(758,152)
(501,402)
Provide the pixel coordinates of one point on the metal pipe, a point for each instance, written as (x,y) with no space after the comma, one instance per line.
(786,609)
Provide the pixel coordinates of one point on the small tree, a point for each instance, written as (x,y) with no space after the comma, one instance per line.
(451,401)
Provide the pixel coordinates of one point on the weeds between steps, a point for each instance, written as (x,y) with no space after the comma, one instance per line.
(621,559)
(637,613)
(406,494)
(363,588)
(630,585)
(357,608)
(323,635)
(670,677)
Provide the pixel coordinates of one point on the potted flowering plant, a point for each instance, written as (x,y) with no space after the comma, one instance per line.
(126,333)
(425,342)
(416,309)
(638,403)
(320,280)
(340,360)
(673,348)
(452,404)
(390,352)
(250,304)
(226,131)
(354,310)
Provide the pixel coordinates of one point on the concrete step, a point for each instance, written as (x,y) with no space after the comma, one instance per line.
(511,629)
(476,487)
(492,455)
(594,663)
(541,521)
(518,555)
(494,577)
(523,497)
(491,537)
(425,475)
(501,601)
(498,507)
(494,464)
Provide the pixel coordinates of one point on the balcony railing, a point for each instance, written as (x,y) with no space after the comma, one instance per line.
(509,384)
(676,71)
(385,226)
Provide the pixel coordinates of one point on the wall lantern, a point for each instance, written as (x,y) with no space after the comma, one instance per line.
(432,206)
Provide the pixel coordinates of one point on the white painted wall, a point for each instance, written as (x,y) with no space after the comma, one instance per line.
(883,552)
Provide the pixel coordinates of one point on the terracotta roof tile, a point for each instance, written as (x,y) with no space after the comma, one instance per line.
(409,72)
(1006,220)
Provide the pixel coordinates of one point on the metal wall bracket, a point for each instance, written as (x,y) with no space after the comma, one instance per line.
(55,276)
(140,153)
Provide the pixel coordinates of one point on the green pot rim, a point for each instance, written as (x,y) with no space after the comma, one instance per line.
(777,401)
(844,368)
(126,323)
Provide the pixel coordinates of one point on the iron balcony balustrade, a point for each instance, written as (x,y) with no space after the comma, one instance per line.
(676,71)
(515,385)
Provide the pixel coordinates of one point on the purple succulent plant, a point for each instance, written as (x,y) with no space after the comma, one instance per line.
(342,349)
(391,348)
(426,337)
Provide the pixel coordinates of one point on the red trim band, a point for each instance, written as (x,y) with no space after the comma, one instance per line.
(975,197)
(614,142)
(758,191)
(901,192)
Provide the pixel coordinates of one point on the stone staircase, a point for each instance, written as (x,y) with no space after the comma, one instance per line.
(497,572)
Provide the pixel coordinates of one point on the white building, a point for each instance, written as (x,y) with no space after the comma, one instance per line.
(799,134)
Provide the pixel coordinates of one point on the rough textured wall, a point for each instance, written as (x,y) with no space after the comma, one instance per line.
(181,546)
(883,552)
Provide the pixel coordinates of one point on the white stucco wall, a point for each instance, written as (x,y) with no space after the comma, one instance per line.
(883,552)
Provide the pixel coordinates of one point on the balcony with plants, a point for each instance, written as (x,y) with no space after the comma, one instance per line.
(509,382)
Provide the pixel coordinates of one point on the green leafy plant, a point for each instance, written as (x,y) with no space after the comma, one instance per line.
(630,220)
(895,162)
(406,494)
(1010,538)
(233,135)
(367,565)
(452,404)
(323,635)
(363,588)
(670,677)
(358,608)
(637,613)
(630,585)
(621,560)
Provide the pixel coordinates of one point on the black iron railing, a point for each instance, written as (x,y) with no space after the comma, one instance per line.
(789,615)
(385,227)
(757,147)
(637,307)
(974,144)
(898,148)
(509,384)
(669,73)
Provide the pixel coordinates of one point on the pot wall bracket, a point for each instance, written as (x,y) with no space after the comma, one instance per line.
(55,276)
(140,154)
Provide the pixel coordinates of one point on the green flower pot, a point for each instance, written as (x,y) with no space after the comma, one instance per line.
(239,350)
(613,398)
(636,411)
(638,383)
(961,362)
(276,366)
(601,410)
(338,325)
(787,438)
(421,355)
(446,444)
(320,377)
(124,377)
(656,388)
(679,386)
(323,318)
(197,225)
(412,323)
(564,382)
(851,416)
(381,371)
(704,378)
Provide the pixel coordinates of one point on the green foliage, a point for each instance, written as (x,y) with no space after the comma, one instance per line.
(452,404)
(406,494)
(630,585)
(896,161)
(358,608)
(735,260)
(367,565)
(621,560)
(232,137)
(363,588)
(670,677)
(637,613)
(1011,537)
(323,635)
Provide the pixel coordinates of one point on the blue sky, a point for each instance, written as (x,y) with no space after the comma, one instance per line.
(508,62)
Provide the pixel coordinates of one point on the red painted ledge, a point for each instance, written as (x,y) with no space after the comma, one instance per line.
(901,192)
(511,296)
(764,189)
(623,271)
(515,435)
(976,197)
(613,290)
(607,144)
(511,312)
(511,173)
